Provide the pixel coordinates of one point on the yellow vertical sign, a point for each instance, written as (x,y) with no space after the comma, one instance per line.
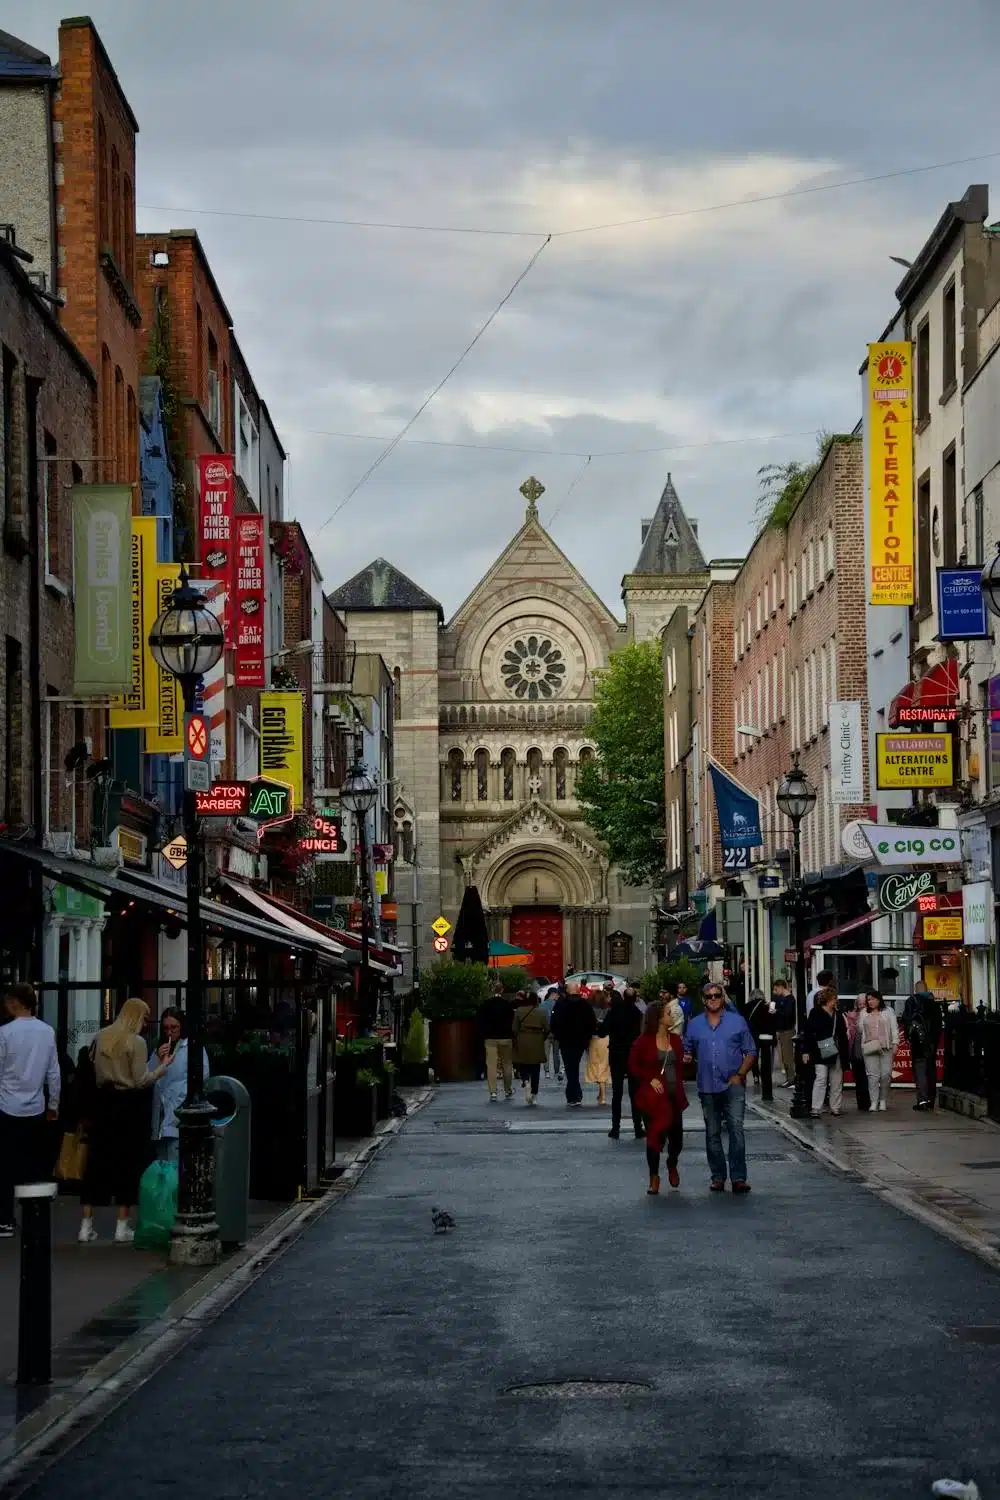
(166,735)
(136,709)
(281,741)
(890,473)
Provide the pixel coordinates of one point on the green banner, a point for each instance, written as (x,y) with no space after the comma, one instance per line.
(102,565)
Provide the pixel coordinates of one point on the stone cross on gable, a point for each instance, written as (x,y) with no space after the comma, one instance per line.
(532,491)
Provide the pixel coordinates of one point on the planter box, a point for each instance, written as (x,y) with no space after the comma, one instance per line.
(413,1075)
(356,1111)
(455,1050)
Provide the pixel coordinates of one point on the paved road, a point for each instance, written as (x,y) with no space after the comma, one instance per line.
(796,1343)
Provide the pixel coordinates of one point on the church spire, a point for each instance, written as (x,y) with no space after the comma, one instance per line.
(670,540)
(532,492)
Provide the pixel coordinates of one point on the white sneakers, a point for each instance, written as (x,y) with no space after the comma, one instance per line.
(87,1232)
(881,1105)
(124,1233)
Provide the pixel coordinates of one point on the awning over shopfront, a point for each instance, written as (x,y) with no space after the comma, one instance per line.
(382,957)
(284,917)
(120,887)
(932,700)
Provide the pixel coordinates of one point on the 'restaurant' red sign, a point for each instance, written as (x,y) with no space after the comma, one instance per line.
(215,520)
(248,602)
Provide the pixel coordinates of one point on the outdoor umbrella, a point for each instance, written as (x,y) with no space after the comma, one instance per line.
(506,956)
(698,949)
(471,943)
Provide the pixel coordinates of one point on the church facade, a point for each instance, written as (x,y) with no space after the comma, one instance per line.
(492,715)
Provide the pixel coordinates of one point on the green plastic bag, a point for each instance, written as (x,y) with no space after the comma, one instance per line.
(157,1206)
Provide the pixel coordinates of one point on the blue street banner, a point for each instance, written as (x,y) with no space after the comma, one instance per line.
(961,607)
(738,809)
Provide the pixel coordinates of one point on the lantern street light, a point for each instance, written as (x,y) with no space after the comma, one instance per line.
(358,795)
(989,582)
(187,641)
(796,797)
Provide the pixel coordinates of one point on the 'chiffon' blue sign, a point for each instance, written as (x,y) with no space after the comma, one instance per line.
(961,609)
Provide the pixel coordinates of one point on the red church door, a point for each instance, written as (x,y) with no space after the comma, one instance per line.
(540,930)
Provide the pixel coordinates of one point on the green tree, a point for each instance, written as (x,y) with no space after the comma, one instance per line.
(783,485)
(621,793)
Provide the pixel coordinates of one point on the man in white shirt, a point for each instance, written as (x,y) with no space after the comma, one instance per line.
(29,1097)
(825,980)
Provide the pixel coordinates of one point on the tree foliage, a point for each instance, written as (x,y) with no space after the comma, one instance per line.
(451,991)
(622,793)
(783,485)
(670,974)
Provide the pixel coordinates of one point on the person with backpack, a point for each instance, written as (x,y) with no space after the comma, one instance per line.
(496,1023)
(621,1026)
(923,1024)
(573,1026)
(531,1031)
(784,1020)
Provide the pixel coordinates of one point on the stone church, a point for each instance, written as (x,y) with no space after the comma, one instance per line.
(492,715)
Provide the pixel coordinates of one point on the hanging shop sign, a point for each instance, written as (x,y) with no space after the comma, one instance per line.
(738,809)
(897,892)
(271,802)
(977,914)
(382,854)
(913,760)
(136,709)
(890,475)
(325,836)
(938,929)
(853,841)
(102,551)
(248,613)
(281,740)
(847,766)
(381,882)
(215,496)
(228,799)
(961,606)
(166,735)
(892,845)
(389,913)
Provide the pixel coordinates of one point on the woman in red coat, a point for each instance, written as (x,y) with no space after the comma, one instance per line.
(656,1061)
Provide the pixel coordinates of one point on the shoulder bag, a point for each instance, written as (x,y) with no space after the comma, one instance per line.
(827,1047)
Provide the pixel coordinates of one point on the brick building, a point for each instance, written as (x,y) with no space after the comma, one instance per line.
(712,719)
(760,678)
(45,427)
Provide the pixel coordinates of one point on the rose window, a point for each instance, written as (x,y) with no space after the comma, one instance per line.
(533,667)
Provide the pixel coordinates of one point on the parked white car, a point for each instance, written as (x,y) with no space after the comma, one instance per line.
(585,980)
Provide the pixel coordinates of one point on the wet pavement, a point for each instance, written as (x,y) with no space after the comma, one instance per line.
(573,1335)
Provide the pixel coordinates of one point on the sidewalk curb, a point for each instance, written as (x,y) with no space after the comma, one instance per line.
(900,1198)
(67,1417)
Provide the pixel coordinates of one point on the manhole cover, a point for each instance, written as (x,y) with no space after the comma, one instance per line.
(976,1333)
(573,1390)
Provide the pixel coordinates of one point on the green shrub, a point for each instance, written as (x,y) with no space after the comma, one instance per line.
(415,1040)
(512,979)
(451,991)
(677,971)
(365,1078)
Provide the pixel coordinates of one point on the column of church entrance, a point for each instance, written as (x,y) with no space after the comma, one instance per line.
(567,937)
(602,940)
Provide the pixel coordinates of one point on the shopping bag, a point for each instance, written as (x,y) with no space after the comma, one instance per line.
(72,1160)
(157,1206)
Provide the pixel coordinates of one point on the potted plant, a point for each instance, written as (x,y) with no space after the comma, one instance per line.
(363,1102)
(452,995)
(414,1065)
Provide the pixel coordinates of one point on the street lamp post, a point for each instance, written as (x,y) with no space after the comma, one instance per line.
(187,641)
(358,795)
(797,797)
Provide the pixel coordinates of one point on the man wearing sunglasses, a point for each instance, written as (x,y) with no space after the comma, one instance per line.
(723,1051)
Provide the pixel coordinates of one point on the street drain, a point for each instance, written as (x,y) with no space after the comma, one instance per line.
(767,1156)
(976,1333)
(574,1390)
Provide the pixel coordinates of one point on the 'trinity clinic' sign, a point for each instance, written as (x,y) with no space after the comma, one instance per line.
(846,758)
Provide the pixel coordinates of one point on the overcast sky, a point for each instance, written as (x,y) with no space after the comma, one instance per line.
(726,339)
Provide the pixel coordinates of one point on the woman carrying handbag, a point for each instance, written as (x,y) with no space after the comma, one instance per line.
(530,1032)
(878,1031)
(826,1047)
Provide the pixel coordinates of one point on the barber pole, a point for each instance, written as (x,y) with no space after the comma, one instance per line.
(213,692)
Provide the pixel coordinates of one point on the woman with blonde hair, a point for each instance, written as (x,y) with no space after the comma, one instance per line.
(120,1127)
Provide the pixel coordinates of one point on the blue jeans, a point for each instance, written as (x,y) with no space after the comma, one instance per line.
(729,1109)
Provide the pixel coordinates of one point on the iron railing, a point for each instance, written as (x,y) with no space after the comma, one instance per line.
(972,1056)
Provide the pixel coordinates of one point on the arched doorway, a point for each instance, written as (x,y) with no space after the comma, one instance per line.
(539,884)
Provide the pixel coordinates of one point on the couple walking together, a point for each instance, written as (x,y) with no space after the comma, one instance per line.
(719,1045)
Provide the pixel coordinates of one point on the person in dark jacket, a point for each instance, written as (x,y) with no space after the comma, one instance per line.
(923,1023)
(823,1024)
(783,1007)
(621,1026)
(496,1021)
(573,1024)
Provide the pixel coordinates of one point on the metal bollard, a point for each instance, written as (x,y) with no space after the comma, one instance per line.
(34,1323)
(766,1061)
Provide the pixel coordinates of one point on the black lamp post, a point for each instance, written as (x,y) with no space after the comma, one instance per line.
(797,797)
(187,641)
(989,582)
(358,795)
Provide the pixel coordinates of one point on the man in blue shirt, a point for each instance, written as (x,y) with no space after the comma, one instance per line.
(723,1051)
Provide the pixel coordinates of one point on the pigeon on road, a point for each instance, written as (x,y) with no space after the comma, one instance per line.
(442,1222)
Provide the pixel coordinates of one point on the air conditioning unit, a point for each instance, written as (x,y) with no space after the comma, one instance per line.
(59,843)
(108,857)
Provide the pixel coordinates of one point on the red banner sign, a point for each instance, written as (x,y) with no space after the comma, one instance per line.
(215,512)
(248,612)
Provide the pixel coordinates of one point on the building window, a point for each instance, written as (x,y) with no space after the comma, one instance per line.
(9,464)
(923,371)
(119,448)
(128,228)
(132,437)
(107,438)
(784,682)
(214,388)
(949,492)
(507,762)
(103,212)
(455,763)
(949,339)
(397,693)
(482,775)
(535,772)
(978,528)
(247,446)
(924,546)
(50,507)
(560,761)
(199,339)
(13,733)
(116,206)
(792,590)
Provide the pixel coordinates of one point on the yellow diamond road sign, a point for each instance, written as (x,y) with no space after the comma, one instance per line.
(176,852)
(441,926)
